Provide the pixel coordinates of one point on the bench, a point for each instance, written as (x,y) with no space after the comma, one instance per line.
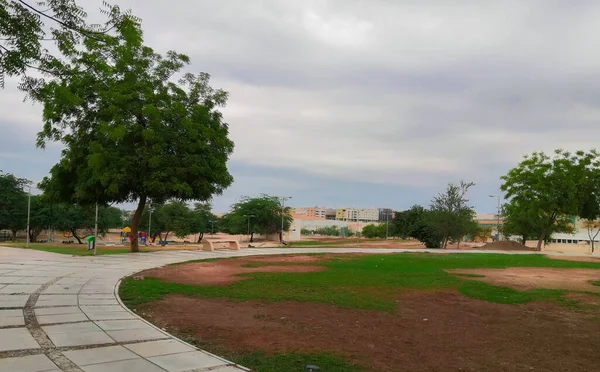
(209,245)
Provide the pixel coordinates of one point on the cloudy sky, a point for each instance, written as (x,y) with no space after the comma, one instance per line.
(375,103)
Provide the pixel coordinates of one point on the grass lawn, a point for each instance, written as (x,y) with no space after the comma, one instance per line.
(71,249)
(367,282)
(364,282)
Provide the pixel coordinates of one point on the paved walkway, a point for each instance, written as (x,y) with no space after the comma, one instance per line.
(62,313)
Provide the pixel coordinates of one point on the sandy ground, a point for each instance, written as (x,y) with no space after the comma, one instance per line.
(227,271)
(429,332)
(524,278)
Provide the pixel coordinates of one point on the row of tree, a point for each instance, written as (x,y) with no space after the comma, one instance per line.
(47,215)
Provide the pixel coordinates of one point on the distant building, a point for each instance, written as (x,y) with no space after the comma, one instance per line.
(357,214)
(330,214)
(385,214)
(311,212)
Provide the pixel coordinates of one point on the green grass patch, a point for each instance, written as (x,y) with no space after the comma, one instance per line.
(296,362)
(366,282)
(74,250)
(596,282)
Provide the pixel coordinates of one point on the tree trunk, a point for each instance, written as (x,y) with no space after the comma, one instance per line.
(135,223)
(540,242)
(251,237)
(200,236)
(76,236)
(14,234)
(458,244)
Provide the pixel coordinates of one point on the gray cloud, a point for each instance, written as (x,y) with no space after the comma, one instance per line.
(379,101)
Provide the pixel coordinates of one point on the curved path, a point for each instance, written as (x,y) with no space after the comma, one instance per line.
(62,313)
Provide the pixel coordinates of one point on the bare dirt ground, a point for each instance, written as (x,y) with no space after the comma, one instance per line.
(438,332)
(506,246)
(575,258)
(523,278)
(227,271)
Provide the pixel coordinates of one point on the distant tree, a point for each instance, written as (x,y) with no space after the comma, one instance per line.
(414,223)
(41,217)
(135,127)
(550,190)
(332,231)
(479,233)
(304,231)
(79,220)
(267,214)
(450,215)
(201,220)
(13,203)
(374,231)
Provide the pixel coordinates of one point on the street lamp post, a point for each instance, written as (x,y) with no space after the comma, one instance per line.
(212,228)
(387,225)
(249,216)
(497,217)
(283,199)
(28,214)
(96,229)
(149,225)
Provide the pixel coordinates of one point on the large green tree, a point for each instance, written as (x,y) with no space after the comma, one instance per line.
(131,130)
(264,215)
(549,189)
(450,215)
(13,203)
(414,223)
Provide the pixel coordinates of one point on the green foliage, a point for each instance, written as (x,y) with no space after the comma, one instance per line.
(262,215)
(449,215)
(330,231)
(414,223)
(547,190)
(132,131)
(13,202)
(304,231)
(374,231)
(367,282)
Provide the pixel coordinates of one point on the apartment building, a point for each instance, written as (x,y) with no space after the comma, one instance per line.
(311,212)
(357,214)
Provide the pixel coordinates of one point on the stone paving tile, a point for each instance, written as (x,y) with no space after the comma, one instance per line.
(134,365)
(11,318)
(63,289)
(228,369)
(32,363)
(17,339)
(33,280)
(105,308)
(13,301)
(95,301)
(61,318)
(56,300)
(100,355)
(76,334)
(127,335)
(111,315)
(117,325)
(19,288)
(186,361)
(156,348)
(10,279)
(58,310)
